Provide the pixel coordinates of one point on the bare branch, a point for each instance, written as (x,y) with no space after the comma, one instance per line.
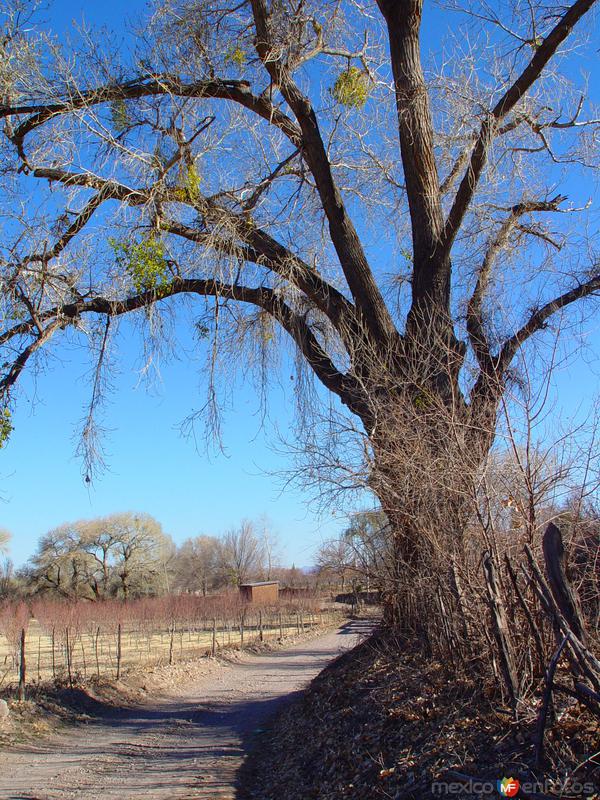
(504,106)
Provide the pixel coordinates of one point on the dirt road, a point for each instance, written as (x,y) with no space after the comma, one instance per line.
(187,746)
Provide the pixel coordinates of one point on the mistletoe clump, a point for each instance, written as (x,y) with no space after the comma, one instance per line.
(119,115)
(191,184)
(351,88)
(144,261)
(236,56)
(6,427)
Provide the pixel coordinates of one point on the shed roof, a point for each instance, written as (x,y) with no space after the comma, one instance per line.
(261,583)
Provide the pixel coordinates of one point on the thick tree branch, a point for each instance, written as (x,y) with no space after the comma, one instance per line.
(152,86)
(267,299)
(537,321)
(431,275)
(16,368)
(78,224)
(361,282)
(257,245)
(475,326)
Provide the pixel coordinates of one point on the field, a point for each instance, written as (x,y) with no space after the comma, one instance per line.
(70,641)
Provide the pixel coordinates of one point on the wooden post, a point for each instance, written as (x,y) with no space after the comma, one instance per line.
(500,625)
(53,659)
(214,637)
(260,626)
(280,628)
(83,657)
(68,648)
(546,704)
(242,633)
(22,667)
(562,590)
(119,652)
(96,651)
(297,623)
(171,643)
(39,658)
(537,636)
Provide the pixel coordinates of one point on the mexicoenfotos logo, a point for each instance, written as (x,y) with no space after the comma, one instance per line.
(508,787)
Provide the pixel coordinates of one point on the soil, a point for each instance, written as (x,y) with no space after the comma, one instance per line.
(188,744)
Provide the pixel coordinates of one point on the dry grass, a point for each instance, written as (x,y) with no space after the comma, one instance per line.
(138,647)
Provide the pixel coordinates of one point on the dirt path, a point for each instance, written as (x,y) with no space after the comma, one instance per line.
(189,746)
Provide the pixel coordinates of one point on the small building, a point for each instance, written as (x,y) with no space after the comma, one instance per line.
(261,592)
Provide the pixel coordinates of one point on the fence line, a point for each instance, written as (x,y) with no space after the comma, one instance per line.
(73,641)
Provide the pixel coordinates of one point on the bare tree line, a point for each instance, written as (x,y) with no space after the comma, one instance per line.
(129,556)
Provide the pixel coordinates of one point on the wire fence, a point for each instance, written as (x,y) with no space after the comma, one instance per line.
(49,640)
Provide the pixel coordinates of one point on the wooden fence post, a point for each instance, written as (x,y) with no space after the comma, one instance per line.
(83,657)
(214,637)
(22,667)
(53,658)
(68,653)
(260,626)
(562,590)
(537,636)
(172,636)
(96,652)
(119,652)
(500,625)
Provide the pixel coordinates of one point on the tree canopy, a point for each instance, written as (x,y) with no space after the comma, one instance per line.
(314,173)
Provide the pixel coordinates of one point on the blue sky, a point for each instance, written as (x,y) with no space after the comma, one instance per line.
(151,466)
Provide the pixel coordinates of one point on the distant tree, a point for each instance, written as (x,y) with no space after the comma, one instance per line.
(242,553)
(61,566)
(142,553)
(5,537)
(270,547)
(336,560)
(293,577)
(197,565)
(97,539)
(122,555)
(9,586)
(368,541)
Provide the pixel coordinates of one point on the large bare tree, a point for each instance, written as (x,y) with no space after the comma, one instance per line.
(297,166)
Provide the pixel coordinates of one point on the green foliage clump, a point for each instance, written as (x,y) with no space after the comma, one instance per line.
(6,427)
(422,401)
(351,88)
(188,190)
(236,56)
(119,115)
(144,261)
(191,184)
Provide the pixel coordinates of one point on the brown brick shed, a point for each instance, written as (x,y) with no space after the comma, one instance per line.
(261,592)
